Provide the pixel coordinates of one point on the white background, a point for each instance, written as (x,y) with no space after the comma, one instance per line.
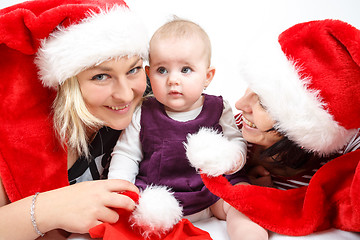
(233,24)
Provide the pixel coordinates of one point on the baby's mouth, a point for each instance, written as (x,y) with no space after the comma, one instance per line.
(250,124)
(174,92)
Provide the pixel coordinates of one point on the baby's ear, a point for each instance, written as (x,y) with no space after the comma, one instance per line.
(209,75)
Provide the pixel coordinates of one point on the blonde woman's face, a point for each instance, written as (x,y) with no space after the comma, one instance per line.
(113,89)
(256,120)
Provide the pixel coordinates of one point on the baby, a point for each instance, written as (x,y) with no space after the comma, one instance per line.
(151,150)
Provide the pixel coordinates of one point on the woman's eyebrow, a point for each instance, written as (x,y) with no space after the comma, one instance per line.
(135,62)
(107,69)
(101,68)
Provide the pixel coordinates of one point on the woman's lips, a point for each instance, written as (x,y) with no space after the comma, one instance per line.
(247,122)
(119,109)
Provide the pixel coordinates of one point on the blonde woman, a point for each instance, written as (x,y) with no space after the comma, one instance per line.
(76,67)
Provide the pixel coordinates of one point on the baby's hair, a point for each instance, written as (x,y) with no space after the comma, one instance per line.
(183,28)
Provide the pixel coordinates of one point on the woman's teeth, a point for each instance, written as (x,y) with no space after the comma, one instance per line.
(119,108)
(250,124)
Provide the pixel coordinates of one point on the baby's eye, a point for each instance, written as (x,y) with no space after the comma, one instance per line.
(100,77)
(162,70)
(186,70)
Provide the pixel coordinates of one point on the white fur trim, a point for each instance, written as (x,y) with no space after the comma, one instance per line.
(112,33)
(298,111)
(157,211)
(212,153)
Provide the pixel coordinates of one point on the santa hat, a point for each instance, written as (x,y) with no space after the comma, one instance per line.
(112,32)
(157,216)
(309,82)
(32,159)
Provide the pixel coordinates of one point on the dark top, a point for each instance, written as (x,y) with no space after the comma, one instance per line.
(97,166)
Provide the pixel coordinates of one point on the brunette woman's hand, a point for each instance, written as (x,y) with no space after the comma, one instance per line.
(81,206)
(258,175)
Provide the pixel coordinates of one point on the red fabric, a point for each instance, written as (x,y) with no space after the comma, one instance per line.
(31,158)
(134,196)
(332,200)
(328,52)
(184,230)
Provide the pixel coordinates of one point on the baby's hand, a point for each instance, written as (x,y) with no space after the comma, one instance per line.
(211,153)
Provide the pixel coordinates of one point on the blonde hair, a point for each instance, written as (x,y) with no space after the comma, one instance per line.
(72,118)
(182,28)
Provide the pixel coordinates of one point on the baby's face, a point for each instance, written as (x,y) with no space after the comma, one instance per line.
(179,71)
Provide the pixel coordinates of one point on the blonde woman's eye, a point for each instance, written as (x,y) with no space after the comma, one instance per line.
(135,70)
(100,77)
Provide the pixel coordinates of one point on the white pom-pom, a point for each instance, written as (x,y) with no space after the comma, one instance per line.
(157,211)
(212,153)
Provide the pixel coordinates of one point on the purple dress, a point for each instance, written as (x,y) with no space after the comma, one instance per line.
(165,163)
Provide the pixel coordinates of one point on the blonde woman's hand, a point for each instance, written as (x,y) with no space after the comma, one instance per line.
(81,206)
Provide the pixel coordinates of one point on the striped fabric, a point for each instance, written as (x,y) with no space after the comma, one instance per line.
(286,183)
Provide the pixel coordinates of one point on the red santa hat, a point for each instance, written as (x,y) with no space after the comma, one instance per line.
(309,82)
(157,216)
(63,37)
(112,32)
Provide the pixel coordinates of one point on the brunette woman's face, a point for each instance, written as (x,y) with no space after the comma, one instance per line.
(256,121)
(113,89)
